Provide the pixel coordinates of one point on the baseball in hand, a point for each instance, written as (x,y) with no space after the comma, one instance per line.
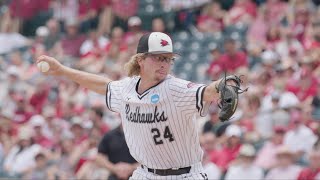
(43,66)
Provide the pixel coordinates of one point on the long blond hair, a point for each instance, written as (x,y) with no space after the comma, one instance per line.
(132,66)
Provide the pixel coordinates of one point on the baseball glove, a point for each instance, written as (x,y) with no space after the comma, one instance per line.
(229,95)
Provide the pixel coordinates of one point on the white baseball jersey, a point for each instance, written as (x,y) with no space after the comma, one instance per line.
(160,124)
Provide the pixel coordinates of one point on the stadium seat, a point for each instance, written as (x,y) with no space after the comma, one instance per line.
(195,46)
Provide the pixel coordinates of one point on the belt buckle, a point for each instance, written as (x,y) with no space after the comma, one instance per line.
(150,170)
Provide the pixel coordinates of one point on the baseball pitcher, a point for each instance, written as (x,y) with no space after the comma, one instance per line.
(158,110)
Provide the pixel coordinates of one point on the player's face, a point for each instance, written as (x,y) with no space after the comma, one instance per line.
(157,66)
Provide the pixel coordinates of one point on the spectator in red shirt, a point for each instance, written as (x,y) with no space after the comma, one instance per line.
(71,43)
(312,40)
(289,46)
(311,172)
(242,11)
(23,112)
(91,51)
(88,12)
(33,13)
(135,30)
(273,37)
(276,10)
(38,124)
(252,112)
(306,86)
(258,29)
(22,9)
(208,142)
(223,157)
(266,157)
(39,97)
(78,131)
(230,61)
(131,38)
(116,45)
(298,16)
(300,24)
(88,151)
(115,51)
(54,125)
(211,18)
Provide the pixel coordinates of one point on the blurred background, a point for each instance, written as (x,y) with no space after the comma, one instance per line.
(52,128)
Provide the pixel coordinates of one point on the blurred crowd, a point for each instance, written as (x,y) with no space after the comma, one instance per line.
(52,128)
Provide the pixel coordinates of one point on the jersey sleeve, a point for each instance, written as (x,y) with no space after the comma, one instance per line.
(189,96)
(114,94)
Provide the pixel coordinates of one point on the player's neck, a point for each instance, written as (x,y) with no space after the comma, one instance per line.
(146,84)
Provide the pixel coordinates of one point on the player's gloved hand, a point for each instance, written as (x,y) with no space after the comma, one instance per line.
(229,96)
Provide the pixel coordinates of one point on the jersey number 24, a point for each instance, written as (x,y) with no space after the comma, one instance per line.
(157,135)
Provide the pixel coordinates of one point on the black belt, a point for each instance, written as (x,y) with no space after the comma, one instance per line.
(169,172)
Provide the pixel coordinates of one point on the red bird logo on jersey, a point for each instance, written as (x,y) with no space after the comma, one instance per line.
(164,42)
(190,85)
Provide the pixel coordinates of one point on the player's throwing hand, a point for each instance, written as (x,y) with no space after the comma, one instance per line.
(55,67)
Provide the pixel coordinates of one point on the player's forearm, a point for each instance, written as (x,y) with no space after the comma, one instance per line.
(103,162)
(210,93)
(87,80)
(135,165)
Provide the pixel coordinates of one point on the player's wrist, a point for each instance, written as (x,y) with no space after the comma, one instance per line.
(216,85)
(63,70)
(112,168)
